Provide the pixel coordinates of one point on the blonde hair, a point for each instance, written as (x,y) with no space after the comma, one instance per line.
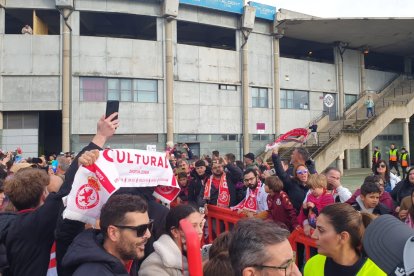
(317,181)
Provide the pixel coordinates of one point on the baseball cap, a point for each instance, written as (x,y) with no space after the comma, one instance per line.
(250,156)
(389,243)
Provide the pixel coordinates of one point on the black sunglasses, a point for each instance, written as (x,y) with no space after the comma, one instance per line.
(141,229)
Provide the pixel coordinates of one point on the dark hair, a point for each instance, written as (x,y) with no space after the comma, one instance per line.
(114,210)
(216,153)
(274,183)
(296,168)
(328,169)
(411,209)
(231,157)
(303,153)
(240,164)
(182,175)
(26,187)
(376,179)
(219,265)
(250,171)
(369,187)
(408,174)
(249,241)
(175,215)
(220,244)
(344,218)
(387,170)
(200,163)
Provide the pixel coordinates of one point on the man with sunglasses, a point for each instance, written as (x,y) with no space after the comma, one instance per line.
(125,229)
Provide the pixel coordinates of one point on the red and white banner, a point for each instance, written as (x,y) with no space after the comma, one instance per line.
(93,185)
(297,135)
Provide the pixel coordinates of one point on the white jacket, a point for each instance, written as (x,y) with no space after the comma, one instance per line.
(166,260)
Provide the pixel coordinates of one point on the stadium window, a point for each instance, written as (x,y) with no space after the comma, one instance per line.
(384,62)
(306,50)
(42,22)
(206,35)
(228,87)
(350,99)
(259,97)
(294,99)
(262,137)
(120,25)
(124,90)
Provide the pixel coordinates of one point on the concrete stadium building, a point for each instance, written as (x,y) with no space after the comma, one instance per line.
(217,76)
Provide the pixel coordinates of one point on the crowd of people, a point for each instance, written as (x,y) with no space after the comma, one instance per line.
(136,235)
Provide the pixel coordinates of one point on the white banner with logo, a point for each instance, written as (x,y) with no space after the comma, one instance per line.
(93,185)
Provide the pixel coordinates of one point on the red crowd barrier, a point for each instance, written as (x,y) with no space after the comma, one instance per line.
(298,236)
(220,216)
(195,266)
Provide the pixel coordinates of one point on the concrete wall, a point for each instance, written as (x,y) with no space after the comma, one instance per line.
(206,16)
(376,80)
(27,139)
(143,7)
(30,4)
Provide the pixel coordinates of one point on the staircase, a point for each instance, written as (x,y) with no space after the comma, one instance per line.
(355,131)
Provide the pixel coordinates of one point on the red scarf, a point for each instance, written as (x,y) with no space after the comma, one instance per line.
(250,203)
(223,199)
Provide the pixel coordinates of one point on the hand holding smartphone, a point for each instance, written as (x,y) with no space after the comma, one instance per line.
(112,107)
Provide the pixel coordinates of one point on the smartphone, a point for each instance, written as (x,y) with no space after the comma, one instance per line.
(111,107)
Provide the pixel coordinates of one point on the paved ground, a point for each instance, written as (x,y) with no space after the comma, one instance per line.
(353,178)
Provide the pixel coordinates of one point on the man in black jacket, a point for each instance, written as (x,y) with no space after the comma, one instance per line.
(199,177)
(125,229)
(31,235)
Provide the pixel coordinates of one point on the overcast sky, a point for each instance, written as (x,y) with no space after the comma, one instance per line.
(347,8)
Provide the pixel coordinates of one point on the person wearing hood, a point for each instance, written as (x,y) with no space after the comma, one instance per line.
(125,229)
(403,189)
(169,258)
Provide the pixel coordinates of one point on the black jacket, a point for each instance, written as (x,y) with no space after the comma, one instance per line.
(87,257)
(6,219)
(233,175)
(196,184)
(30,237)
(292,186)
(401,190)
(380,209)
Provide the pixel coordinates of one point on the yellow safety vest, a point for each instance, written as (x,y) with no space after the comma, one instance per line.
(375,156)
(393,155)
(315,266)
(404,161)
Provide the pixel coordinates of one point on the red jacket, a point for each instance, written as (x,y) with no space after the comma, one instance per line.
(320,202)
(281,210)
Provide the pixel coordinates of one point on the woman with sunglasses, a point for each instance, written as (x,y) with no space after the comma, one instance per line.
(170,256)
(295,187)
(390,179)
(338,234)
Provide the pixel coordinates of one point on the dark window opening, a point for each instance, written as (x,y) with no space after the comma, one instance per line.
(42,22)
(118,25)
(307,50)
(384,62)
(206,35)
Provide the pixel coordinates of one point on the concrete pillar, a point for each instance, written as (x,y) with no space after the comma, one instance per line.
(408,65)
(362,81)
(406,134)
(276,84)
(245,101)
(340,163)
(2,19)
(347,159)
(339,64)
(169,77)
(369,154)
(66,81)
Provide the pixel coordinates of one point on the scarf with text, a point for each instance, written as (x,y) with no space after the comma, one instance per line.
(249,203)
(223,194)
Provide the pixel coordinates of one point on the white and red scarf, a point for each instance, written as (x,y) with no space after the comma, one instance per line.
(250,202)
(223,199)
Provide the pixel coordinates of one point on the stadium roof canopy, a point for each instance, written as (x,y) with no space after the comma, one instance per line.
(393,36)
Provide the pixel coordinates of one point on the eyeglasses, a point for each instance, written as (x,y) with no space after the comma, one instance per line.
(382,166)
(301,171)
(141,229)
(283,267)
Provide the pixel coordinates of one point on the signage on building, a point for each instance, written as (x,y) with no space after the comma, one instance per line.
(260,127)
(234,6)
(328,100)
(264,11)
